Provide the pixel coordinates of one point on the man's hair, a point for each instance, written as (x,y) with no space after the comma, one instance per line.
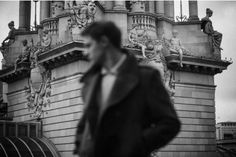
(104,28)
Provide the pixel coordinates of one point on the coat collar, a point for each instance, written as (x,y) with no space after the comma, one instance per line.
(126,80)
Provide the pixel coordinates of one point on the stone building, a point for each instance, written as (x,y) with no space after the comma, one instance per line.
(226,130)
(41,92)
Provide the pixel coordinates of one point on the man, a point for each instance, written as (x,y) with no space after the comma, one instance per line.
(127,112)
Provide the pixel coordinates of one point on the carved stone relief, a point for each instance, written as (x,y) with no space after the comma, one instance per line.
(83,15)
(152,54)
(39,89)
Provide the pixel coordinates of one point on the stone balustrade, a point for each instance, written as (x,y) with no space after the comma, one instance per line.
(143,21)
(51,25)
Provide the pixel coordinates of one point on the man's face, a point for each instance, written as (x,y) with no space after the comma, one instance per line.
(94,50)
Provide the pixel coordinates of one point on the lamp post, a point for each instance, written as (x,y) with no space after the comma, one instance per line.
(181,18)
(35,14)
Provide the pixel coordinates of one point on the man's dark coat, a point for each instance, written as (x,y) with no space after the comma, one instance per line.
(139,117)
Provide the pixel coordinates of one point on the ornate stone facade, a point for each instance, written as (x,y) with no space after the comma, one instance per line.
(43,73)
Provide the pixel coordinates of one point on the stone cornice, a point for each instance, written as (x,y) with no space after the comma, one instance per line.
(197,64)
(11,75)
(192,64)
(72,51)
(58,56)
(62,55)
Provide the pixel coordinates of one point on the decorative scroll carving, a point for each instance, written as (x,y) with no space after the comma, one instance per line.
(83,15)
(38,98)
(39,89)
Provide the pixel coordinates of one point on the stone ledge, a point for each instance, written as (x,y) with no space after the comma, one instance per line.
(72,51)
(197,64)
(11,75)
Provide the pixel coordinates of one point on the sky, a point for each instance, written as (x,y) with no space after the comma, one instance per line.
(224,13)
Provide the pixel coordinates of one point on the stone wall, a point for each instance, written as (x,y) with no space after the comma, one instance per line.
(64,112)
(195,105)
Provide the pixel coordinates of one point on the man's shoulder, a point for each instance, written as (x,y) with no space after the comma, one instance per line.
(148,70)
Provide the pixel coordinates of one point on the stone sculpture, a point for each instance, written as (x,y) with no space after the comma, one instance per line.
(46,39)
(175,46)
(139,38)
(11,35)
(10,39)
(83,15)
(207,27)
(39,88)
(137,5)
(24,56)
(39,98)
(156,59)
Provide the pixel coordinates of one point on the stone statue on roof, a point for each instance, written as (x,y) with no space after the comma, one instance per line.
(207,28)
(10,39)
(11,35)
(176,45)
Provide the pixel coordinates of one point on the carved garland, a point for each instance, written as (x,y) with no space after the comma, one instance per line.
(38,91)
(38,99)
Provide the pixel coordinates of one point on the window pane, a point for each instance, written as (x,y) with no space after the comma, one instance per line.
(22,130)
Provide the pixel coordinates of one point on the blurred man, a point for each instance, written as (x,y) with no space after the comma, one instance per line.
(128,112)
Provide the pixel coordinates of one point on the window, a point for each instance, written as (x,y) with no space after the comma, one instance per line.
(10,129)
(22,130)
(228,136)
(32,130)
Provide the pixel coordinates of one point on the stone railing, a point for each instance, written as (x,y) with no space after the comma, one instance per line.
(144,21)
(51,25)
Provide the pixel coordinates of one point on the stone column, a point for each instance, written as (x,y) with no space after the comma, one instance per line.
(44,10)
(24,15)
(193,10)
(160,7)
(169,9)
(151,7)
(119,5)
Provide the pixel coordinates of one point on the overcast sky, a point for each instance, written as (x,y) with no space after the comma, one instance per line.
(223,21)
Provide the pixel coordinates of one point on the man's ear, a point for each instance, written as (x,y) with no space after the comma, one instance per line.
(104,41)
